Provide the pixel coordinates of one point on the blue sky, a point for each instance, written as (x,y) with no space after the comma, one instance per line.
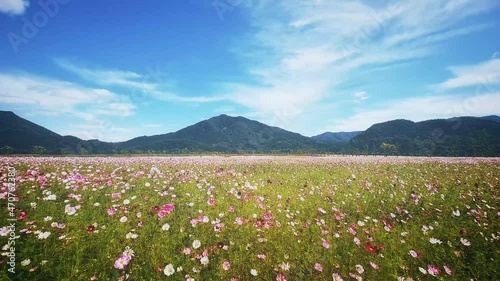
(114,70)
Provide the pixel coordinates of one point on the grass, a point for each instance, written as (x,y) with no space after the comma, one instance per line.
(358,219)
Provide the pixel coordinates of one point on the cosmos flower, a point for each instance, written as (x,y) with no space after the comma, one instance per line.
(4,231)
(169,270)
(337,277)
(465,242)
(435,241)
(285,266)
(196,244)
(374,265)
(318,267)
(280,277)
(204,260)
(254,272)
(326,244)
(111,211)
(69,210)
(433,270)
(122,262)
(165,227)
(226,265)
(447,269)
(43,235)
(414,254)
(90,228)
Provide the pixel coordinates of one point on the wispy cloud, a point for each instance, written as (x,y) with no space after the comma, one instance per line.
(485,73)
(60,97)
(14,7)
(419,109)
(360,96)
(40,96)
(302,51)
(154,83)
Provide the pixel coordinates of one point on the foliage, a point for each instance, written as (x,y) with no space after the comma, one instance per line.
(301,218)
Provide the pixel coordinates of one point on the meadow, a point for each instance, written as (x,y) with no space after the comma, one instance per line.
(249,218)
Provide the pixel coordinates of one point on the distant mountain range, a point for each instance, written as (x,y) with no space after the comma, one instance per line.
(459,136)
(340,137)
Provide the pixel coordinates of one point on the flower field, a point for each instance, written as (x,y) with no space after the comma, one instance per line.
(249,218)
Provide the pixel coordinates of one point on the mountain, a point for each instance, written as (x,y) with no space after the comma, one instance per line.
(458,136)
(223,134)
(339,137)
(22,135)
(491,118)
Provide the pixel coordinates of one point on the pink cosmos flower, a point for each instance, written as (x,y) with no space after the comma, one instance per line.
(218,227)
(239,221)
(168,208)
(280,277)
(116,195)
(261,256)
(337,277)
(326,244)
(433,270)
(187,251)
(447,269)
(318,267)
(374,265)
(226,265)
(230,209)
(211,201)
(122,262)
(111,211)
(162,213)
(352,231)
(268,216)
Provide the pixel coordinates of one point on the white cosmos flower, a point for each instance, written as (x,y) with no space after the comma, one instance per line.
(165,227)
(43,235)
(131,235)
(70,210)
(435,241)
(196,244)
(169,270)
(254,272)
(204,260)
(465,242)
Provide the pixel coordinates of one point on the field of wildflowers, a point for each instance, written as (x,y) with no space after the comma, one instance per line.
(250,218)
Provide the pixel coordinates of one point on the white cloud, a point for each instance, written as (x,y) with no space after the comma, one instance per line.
(419,109)
(14,7)
(60,97)
(485,73)
(302,51)
(99,129)
(45,96)
(155,83)
(360,96)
